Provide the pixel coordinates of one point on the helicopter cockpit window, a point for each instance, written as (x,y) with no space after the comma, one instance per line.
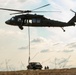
(12,18)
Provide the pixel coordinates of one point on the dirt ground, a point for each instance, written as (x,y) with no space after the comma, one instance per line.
(71,71)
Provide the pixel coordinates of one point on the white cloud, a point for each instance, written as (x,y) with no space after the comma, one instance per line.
(68,51)
(44,51)
(38,40)
(4,2)
(21,0)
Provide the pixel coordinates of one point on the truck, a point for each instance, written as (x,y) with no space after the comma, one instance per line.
(34,65)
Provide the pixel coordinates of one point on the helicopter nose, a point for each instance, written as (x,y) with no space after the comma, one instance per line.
(7,22)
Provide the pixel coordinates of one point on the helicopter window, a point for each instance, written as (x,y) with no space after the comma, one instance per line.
(30,21)
(33,20)
(38,20)
(25,21)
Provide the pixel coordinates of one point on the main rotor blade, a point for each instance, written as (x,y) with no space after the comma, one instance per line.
(42,6)
(16,13)
(28,11)
(44,11)
(35,12)
(11,10)
(72,10)
(23,11)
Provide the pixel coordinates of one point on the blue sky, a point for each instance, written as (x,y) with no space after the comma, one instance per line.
(48,44)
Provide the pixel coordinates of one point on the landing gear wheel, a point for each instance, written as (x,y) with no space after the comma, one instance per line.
(21,27)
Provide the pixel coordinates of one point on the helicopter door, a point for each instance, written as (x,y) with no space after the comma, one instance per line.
(20,21)
(26,21)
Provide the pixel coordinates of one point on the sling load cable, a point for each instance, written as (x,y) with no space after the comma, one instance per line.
(29,43)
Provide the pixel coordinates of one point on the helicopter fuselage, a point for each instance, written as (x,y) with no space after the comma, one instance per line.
(34,20)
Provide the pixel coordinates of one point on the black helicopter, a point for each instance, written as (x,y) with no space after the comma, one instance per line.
(35,20)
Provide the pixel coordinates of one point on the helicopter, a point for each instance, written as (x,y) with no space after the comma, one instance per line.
(26,19)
